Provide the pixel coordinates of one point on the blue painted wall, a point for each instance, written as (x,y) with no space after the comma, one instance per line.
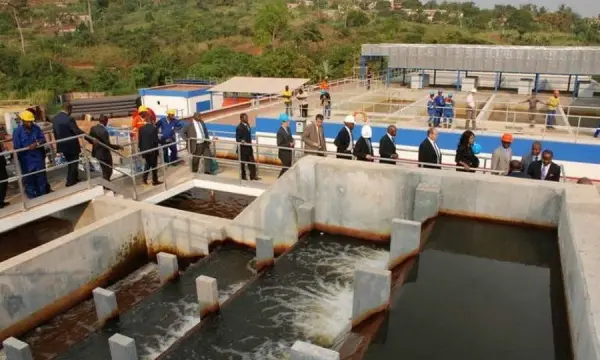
(203,105)
(585,153)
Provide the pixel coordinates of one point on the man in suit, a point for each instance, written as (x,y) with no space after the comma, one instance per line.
(196,134)
(285,140)
(387,146)
(515,170)
(314,139)
(243,135)
(3,178)
(545,169)
(148,140)
(535,155)
(429,152)
(502,156)
(102,146)
(64,126)
(344,141)
(364,147)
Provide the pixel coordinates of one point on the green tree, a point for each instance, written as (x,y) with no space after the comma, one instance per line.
(357,18)
(270,22)
(17,10)
(522,21)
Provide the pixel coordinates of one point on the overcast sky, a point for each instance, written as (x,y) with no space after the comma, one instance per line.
(588,8)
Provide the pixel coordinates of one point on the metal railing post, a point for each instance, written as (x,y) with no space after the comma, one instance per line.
(161,154)
(132,166)
(20,179)
(87,168)
(239,154)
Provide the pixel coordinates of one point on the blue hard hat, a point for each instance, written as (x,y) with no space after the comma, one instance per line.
(476,148)
(283,117)
(449,94)
(440,90)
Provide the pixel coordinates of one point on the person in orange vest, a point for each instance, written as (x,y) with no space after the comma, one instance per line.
(137,119)
(325,85)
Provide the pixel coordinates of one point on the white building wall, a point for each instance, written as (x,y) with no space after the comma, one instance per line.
(160,104)
(194,100)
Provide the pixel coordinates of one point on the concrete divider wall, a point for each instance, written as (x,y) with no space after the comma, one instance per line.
(87,213)
(579,246)
(36,285)
(274,214)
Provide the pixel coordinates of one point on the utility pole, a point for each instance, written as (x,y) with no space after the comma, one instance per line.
(89,4)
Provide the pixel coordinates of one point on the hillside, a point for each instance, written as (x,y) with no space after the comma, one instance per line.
(141,43)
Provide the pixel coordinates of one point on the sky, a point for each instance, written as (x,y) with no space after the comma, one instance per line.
(587,8)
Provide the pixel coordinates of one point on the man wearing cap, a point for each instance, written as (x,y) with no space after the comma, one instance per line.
(196,134)
(29,136)
(502,156)
(344,141)
(553,104)
(431,109)
(64,126)
(387,146)
(440,102)
(3,178)
(471,110)
(168,128)
(285,140)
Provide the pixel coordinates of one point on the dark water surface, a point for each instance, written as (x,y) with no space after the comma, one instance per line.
(207,202)
(307,295)
(166,315)
(479,291)
(31,235)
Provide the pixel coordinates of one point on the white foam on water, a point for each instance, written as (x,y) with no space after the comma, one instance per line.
(269,350)
(186,318)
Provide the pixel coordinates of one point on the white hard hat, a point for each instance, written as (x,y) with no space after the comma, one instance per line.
(366,132)
(349,119)
(473,90)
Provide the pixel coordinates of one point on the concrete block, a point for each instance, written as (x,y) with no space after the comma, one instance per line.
(306,217)
(16,349)
(405,242)
(427,202)
(105,302)
(208,295)
(168,268)
(304,351)
(372,288)
(265,253)
(122,348)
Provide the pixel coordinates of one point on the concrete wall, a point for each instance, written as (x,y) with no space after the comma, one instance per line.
(579,245)
(87,213)
(35,285)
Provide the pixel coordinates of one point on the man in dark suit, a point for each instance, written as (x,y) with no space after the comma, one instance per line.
(533,156)
(545,169)
(243,135)
(515,170)
(102,146)
(285,140)
(196,134)
(3,178)
(429,152)
(148,139)
(64,126)
(344,141)
(387,146)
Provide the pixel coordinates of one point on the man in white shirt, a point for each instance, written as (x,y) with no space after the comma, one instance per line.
(196,134)
(471,110)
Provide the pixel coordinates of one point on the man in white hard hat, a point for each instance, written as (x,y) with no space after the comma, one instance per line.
(471,109)
(344,141)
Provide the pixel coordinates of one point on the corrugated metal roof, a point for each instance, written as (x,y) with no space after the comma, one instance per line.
(581,60)
(258,85)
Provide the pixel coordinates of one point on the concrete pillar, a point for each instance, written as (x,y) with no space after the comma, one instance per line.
(363,67)
(304,351)
(16,349)
(372,288)
(122,348)
(306,217)
(265,253)
(406,240)
(208,295)
(105,302)
(427,202)
(168,268)
(537,83)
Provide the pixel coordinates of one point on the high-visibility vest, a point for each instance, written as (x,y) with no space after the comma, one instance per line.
(137,122)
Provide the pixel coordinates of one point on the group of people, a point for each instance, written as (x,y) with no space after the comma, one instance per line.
(552,104)
(441,109)
(302,97)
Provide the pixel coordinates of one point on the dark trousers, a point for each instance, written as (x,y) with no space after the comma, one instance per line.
(151,160)
(106,170)
(3,185)
(202,150)
(286,160)
(72,169)
(247,155)
(304,110)
(347,155)
(172,149)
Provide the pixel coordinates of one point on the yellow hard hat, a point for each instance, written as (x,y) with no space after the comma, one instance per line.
(142,109)
(171,112)
(26,116)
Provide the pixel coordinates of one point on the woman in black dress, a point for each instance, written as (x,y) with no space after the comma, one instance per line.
(464,153)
